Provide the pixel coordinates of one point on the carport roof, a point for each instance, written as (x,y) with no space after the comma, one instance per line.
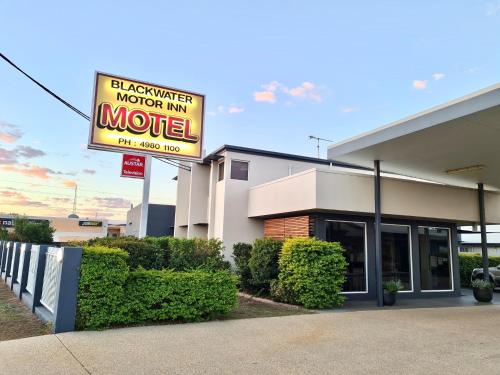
(456,143)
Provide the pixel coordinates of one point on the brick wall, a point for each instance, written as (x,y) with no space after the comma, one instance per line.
(285,227)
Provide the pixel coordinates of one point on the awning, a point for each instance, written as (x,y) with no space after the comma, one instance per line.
(457,143)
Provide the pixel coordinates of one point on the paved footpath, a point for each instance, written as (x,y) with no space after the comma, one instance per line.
(455,340)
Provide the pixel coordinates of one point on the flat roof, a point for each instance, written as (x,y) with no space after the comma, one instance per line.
(456,143)
(215,155)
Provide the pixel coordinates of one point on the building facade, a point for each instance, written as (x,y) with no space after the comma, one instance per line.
(239,194)
(160,220)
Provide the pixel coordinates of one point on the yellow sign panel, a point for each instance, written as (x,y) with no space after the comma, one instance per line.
(130,115)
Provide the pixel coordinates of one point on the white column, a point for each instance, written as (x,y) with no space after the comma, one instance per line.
(143,224)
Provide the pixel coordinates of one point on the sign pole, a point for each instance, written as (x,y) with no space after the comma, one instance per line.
(143,224)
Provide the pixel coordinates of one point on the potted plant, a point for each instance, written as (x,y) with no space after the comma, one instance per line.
(483,290)
(391,288)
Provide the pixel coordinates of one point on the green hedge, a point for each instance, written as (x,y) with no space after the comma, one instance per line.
(179,296)
(109,294)
(311,273)
(241,255)
(103,273)
(187,254)
(263,263)
(141,253)
(469,261)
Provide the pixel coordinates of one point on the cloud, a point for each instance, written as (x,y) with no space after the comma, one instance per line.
(438,76)
(88,171)
(307,90)
(70,184)
(12,198)
(9,133)
(30,170)
(349,109)
(235,109)
(264,96)
(7,157)
(110,202)
(420,84)
(28,152)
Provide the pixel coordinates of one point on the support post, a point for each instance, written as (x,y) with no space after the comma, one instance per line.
(143,224)
(484,240)
(378,236)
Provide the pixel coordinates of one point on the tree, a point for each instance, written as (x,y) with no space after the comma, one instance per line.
(39,232)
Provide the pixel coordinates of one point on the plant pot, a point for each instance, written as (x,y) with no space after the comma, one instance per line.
(483,294)
(389,299)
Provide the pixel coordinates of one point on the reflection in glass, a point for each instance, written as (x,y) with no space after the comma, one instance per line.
(435,265)
(352,238)
(396,255)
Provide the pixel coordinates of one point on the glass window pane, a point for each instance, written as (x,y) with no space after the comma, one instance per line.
(352,238)
(239,170)
(435,263)
(396,264)
(221,171)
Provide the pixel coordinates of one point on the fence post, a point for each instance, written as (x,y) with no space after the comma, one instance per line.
(14,265)
(32,300)
(2,246)
(60,288)
(7,261)
(22,270)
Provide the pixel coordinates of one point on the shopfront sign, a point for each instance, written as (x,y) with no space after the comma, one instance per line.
(90,223)
(133,166)
(130,115)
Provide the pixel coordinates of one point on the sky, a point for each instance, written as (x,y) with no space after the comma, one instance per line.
(273,73)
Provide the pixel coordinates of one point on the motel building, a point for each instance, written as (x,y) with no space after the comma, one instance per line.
(394,197)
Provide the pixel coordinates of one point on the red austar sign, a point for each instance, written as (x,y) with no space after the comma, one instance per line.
(133,166)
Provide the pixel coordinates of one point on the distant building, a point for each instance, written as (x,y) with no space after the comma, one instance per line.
(71,228)
(161,218)
(475,248)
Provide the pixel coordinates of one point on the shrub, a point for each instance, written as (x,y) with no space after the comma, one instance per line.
(393,286)
(33,232)
(241,255)
(187,254)
(311,273)
(141,253)
(481,284)
(4,234)
(469,261)
(179,296)
(103,272)
(263,262)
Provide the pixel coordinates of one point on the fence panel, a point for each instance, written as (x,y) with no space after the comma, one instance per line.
(30,284)
(51,278)
(21,263)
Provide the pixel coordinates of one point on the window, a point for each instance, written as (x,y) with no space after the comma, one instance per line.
(396,254)
(351,236)
(221,171)
(239,170)
(435,258)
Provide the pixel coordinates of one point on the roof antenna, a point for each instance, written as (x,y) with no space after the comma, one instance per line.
(74,201)
(318,139)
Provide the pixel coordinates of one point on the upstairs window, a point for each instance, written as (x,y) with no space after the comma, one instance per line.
(239,170)
(221,171)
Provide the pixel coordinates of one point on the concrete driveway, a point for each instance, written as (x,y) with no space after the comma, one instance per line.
(452,340)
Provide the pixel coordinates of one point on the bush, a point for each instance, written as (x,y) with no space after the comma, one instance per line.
(33,232)
(163,244)
(179,296)
(263,262)
(141,253)
(187,254)
(469,261)
(4,234)
(311,273)
(103,272)
(241,255)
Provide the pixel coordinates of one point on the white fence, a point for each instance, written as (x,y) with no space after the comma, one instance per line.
(53,262)
(44,278)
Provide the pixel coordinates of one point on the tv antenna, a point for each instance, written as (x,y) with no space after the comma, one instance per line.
(318,139)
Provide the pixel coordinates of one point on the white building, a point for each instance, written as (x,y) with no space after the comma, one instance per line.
(391,226)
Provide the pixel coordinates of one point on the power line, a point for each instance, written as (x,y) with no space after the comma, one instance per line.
(73,108)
